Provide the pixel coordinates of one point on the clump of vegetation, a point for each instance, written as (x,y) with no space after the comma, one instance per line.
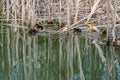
(62,14)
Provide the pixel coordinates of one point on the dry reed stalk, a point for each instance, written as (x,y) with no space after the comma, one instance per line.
(23,14)
(28,10)
(60,16)
(33,13)
(114,21)
(108,20)
(15,12)
(68,13)
(63,10)
(77,9)
(96,2)
(67,28)
(7,1)
(49,9)
(2,3)
(112,10)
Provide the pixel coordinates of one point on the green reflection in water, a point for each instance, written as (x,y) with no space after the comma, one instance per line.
(55,57)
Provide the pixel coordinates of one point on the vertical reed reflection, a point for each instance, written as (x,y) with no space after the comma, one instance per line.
(71,56)
(24,57)
(8,51)
(60,56)
(112,59)
(29,58)
(2,51)
(17,54)
(56,57)
(35,57)
(68,58)
(49,46)
(113,66)
(79,58)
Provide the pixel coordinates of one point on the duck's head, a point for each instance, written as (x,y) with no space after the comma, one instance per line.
(77,30)
(90,27)
(103,31)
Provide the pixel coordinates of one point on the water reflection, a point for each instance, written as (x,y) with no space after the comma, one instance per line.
(56,57)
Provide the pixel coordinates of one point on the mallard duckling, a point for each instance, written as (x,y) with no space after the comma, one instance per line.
(35,29)
(49,22)
(77,30)
(93,28)
(32,31)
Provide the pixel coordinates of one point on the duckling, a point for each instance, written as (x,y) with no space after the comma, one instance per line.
(77,30)
(32,31)
(35,29)
(93,28)
(49,22)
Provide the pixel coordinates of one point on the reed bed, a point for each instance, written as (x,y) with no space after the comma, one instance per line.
(74,13)
(24,12)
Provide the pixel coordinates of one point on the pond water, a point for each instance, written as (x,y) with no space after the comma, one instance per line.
(56,57)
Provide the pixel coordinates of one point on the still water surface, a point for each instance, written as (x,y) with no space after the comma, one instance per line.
(56,57)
